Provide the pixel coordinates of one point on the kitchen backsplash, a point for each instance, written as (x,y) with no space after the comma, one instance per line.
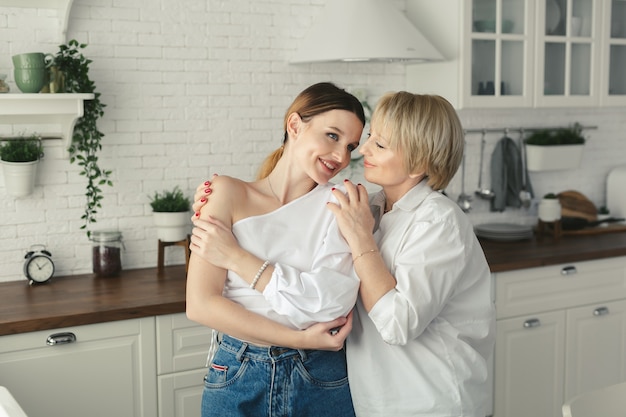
(200,87)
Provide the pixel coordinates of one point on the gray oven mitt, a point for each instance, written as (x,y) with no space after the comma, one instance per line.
(506,175)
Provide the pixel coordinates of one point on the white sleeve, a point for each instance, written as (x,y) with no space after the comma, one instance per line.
(427,269)
(324,293)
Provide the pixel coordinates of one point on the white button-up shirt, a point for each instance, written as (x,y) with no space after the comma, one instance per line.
(423,348)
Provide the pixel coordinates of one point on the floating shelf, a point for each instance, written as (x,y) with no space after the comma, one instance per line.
(62,6)
(63,109)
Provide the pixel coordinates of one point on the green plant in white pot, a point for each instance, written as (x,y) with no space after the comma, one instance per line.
(549,209)
(555,149)
(171,215)
(19,157)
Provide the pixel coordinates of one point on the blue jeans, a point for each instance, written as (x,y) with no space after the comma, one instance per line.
(249,380)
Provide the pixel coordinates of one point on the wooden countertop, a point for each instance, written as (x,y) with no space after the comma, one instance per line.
(85,299)
(546,250)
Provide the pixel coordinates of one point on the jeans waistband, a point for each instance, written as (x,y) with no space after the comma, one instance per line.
(263,353)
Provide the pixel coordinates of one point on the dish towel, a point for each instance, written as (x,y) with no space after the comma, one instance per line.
(506,175)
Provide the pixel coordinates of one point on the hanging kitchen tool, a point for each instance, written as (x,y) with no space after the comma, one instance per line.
(464,200)
(524,195)
(484,193)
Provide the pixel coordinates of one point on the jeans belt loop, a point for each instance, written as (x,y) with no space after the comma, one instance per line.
(241,351)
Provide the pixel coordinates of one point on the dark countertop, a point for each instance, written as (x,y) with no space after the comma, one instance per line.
(546,250)
(84,299)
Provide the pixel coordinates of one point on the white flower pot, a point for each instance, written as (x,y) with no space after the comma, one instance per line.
(549,210)
(552,158)
(19,177)
(172,227)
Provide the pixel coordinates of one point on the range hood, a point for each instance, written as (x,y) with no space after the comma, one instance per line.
(364,30)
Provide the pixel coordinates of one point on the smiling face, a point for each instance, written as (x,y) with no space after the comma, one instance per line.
(385,166)
(322,145)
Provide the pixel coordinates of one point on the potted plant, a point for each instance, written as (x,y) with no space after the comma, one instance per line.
(70,69)
(556,149)
(171,215)
(549,209)
(19,157)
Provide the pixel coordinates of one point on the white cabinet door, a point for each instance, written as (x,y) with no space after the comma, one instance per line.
(180,394)
(568,53)
(108,370)
(182,347)
(613,31)
(488,46)
(529,366)
(595,347)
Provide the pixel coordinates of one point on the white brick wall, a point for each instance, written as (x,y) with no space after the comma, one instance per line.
(200,86)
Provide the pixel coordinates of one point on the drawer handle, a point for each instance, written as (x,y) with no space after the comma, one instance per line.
(601,311)
(528,324)
(60,338)
(569,270)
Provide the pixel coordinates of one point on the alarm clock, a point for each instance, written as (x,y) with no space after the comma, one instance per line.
(38,265)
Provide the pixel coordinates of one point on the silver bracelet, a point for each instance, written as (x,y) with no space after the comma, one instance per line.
(258,274)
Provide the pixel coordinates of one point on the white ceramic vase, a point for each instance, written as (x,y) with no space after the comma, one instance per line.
(172,227)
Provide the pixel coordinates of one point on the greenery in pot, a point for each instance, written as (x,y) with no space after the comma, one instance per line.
(170,201)
(21,149)
(550,196)
(86,139)
(564,136)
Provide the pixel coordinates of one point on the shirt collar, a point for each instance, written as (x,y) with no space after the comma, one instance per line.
(409,201)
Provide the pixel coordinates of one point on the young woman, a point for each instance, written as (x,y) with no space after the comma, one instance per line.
(424,322)
(295,271)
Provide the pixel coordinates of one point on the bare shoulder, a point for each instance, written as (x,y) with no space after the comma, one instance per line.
(226,194)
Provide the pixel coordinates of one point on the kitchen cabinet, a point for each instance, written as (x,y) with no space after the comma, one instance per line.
(613,86)
(182,348)
(560,330)
(522,53)
(105,369)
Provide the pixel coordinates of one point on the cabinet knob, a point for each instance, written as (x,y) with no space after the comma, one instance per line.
(530,323)
(601,311)
(61,338)
(569,270)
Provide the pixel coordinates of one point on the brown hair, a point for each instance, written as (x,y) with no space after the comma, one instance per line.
(316,99)
(426,129)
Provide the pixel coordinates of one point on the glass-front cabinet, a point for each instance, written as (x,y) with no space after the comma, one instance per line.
(500,45)
(523,53)
(614,80)
(568,53)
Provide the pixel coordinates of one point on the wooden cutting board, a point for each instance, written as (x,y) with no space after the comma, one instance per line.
(575,204)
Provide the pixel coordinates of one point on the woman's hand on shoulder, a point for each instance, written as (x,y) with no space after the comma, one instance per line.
(201,195)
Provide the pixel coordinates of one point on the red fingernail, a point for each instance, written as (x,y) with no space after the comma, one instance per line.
(208,190)
(333,189)
(207,183)
(203,200)
(346,180)
(197,214)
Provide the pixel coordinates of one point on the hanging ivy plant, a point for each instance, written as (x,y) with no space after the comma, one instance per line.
(86,139)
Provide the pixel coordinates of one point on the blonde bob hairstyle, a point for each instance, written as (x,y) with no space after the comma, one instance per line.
(315,99)
(425,130)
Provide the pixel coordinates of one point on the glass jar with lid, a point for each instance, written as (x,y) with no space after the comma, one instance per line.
(107,252)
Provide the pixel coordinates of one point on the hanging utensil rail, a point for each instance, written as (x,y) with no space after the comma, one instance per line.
(506,130)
